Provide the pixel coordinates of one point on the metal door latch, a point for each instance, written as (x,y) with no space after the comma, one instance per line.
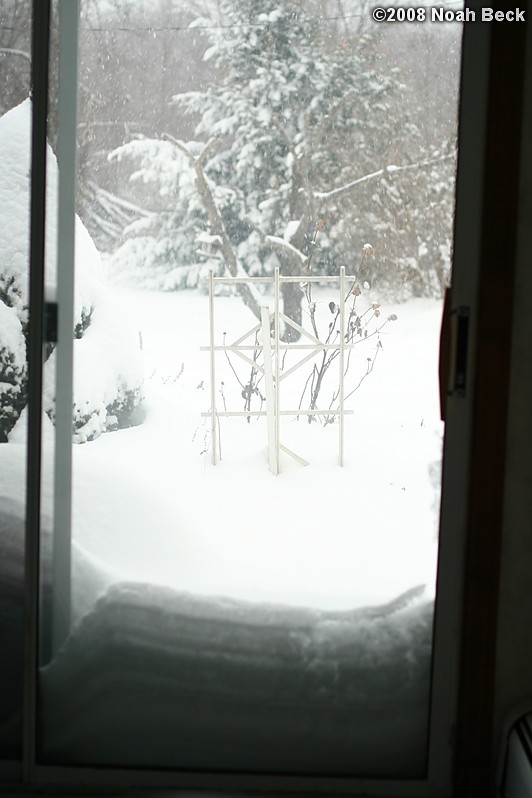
(50,322)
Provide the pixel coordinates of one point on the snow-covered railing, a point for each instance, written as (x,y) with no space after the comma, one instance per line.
(272,347)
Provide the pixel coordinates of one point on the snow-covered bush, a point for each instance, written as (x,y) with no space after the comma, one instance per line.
(107,359)
(13,369)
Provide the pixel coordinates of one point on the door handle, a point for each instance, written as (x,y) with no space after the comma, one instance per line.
(454,339)
(50,322)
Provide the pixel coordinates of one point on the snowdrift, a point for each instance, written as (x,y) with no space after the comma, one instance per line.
(157,678)
(90,580)
(154,677)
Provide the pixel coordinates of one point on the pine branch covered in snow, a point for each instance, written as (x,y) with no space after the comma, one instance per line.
(106,215)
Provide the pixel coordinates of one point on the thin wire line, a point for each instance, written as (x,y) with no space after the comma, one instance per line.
(189,28)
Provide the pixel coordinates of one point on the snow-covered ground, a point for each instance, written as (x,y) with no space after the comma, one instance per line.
(150,512)
(218,605)
(149,504)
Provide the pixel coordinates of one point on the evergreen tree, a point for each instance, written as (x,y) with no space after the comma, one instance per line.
(163,244)
(303,126)
(290,98)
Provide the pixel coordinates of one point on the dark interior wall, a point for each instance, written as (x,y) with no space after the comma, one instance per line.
(495,673)
(513,685)
(513,675)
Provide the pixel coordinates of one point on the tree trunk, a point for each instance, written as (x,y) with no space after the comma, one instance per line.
(300,208)
(291,293)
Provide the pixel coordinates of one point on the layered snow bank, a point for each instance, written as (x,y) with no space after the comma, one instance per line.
(150,511)
(157,678)
(90,579)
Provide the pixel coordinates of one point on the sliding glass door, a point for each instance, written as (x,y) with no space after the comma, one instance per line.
(15,147)
(247,565)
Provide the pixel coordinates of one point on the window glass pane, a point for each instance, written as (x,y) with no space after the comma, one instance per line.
(255,525)
(15,132)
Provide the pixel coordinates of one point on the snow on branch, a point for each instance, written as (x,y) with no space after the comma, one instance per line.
(249,296)
(284,246)
(288,140)
(387,170)
(277,243)
(117,201)
(11,51)
(182,147)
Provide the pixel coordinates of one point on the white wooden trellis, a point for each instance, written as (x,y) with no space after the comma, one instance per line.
(273,376)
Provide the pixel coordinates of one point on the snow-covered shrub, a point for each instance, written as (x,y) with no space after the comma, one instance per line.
(13,369)
(14,235)
(107,359)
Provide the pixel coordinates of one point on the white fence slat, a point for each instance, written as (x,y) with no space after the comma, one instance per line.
(271,367)
(214,437)
(277,380)
(288,451)
(341,359)
(255,413)
(329,278)
(270,391)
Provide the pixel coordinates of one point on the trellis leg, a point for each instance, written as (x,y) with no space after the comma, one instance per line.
(271,414)
(342,366)
(277,380)
(273,364)
(214,436)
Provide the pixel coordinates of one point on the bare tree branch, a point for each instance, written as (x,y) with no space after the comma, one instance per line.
(11,51)
(249,297)
(206,151)
(284,246)
(387,170)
